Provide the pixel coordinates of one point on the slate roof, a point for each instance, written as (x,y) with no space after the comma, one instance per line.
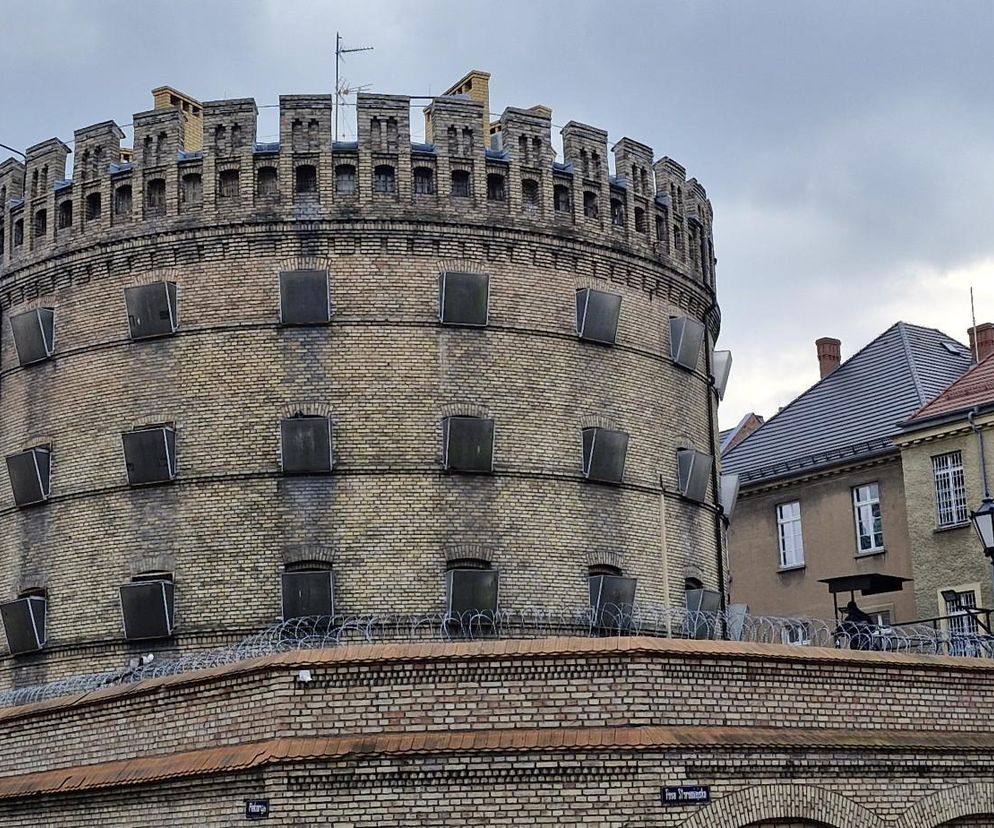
(975,389)
(853,411)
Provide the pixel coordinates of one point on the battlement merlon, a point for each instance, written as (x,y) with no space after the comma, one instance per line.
(158,136)
(44,164)
(383,122)
(455,124)
(11,181)
(230,126)
(305,122)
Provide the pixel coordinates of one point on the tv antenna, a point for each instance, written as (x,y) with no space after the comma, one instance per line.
(339,90)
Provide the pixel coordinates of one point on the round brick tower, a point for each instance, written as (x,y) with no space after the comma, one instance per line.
(240,380)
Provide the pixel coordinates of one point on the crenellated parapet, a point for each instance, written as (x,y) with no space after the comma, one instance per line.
(507,172)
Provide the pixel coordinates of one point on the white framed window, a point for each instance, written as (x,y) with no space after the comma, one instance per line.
(950,489)
(881,618)
(797,633)
(869,526)
(789,532)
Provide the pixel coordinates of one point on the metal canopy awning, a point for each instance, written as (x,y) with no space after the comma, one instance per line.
(872,583)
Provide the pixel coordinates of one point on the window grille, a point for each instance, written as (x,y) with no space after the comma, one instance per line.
(460,184)
(424,181)
(345,179)
(384,179)
(950,489)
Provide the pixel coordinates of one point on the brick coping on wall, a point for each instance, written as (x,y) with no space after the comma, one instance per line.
(283,751)
(503,650)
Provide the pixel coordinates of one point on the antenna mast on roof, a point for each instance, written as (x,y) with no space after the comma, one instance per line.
(973,321)
(339,92)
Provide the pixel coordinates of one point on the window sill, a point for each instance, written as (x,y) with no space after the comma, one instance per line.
(794,568)
(870,553)
(951,527)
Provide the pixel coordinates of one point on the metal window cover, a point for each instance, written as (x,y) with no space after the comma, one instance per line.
(728,493)
(611,598)
(721,367)
(147,609)
(34,335)
(604,454)
(464,298)
(468,444)
(694,468)
(151,309)
(24,623)
(150,455)
(30,475)
(305,444)
(702,608)
(308,593)
(597,315)
(471,591)
(304,297)
(686,339)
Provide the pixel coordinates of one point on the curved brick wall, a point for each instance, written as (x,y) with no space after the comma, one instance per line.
(384,370)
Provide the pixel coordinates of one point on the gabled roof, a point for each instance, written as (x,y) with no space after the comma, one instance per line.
(975,389)
(853,411)
(731,437)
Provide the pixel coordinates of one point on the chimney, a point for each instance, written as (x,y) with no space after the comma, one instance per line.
(982,340)
(829,354)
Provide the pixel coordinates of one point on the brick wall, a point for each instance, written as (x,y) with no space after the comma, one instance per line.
(544,732)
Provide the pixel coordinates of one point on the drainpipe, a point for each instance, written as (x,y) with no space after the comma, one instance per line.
(715,481)
(970,418)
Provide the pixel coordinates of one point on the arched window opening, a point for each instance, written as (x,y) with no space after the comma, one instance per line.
(155,196)
(65,214)
(590,209)
(41,223)
(529,192)
(267,181)
(191,191)
(495,187)
(424,181)
(92,207)
(306,179)
(640,226)
(228,184)
(384,179)
(122,200)
(617,212)
(561,198)
(345,179)
(460,184)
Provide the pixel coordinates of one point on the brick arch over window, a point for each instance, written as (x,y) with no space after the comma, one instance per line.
(763,803)
(950,804)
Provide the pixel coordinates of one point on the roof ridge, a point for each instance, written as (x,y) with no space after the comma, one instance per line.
(773,417)
(903,329)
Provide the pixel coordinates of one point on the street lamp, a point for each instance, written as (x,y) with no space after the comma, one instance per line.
(983,522)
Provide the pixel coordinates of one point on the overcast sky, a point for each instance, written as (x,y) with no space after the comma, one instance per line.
(847,145)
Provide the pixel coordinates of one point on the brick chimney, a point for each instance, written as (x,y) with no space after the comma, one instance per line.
(829,354)
(982,340)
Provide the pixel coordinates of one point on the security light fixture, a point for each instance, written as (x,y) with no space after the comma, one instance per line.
(983,522)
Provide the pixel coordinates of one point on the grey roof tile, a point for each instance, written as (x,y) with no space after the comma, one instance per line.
(855,409)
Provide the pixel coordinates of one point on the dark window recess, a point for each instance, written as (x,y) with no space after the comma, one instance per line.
(384,179)
(122,200)
(92,207)
(24,622)
(702,608)
(18,232)
(191,190)
(34,335)
(304,297)
(604,453)
(227,184)
(155,197)
(460,184)
(640,226)
(694,468)
(308,593)
(597,314)
(424,181)
(345,179)
(617,212)
(561,199)
(267,181)
(306,178)
(495,187)
(148,609)
(306,444)
(686,339)
(65,215)
(529,192)
(469,444)
(612,598)
(463,298)
(590,209)
(41,224)
(471,592)
(150,455)
(30,475)
(151,309)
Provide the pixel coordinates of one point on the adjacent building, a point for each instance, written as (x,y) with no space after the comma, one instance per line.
(822,487)
(944,481)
